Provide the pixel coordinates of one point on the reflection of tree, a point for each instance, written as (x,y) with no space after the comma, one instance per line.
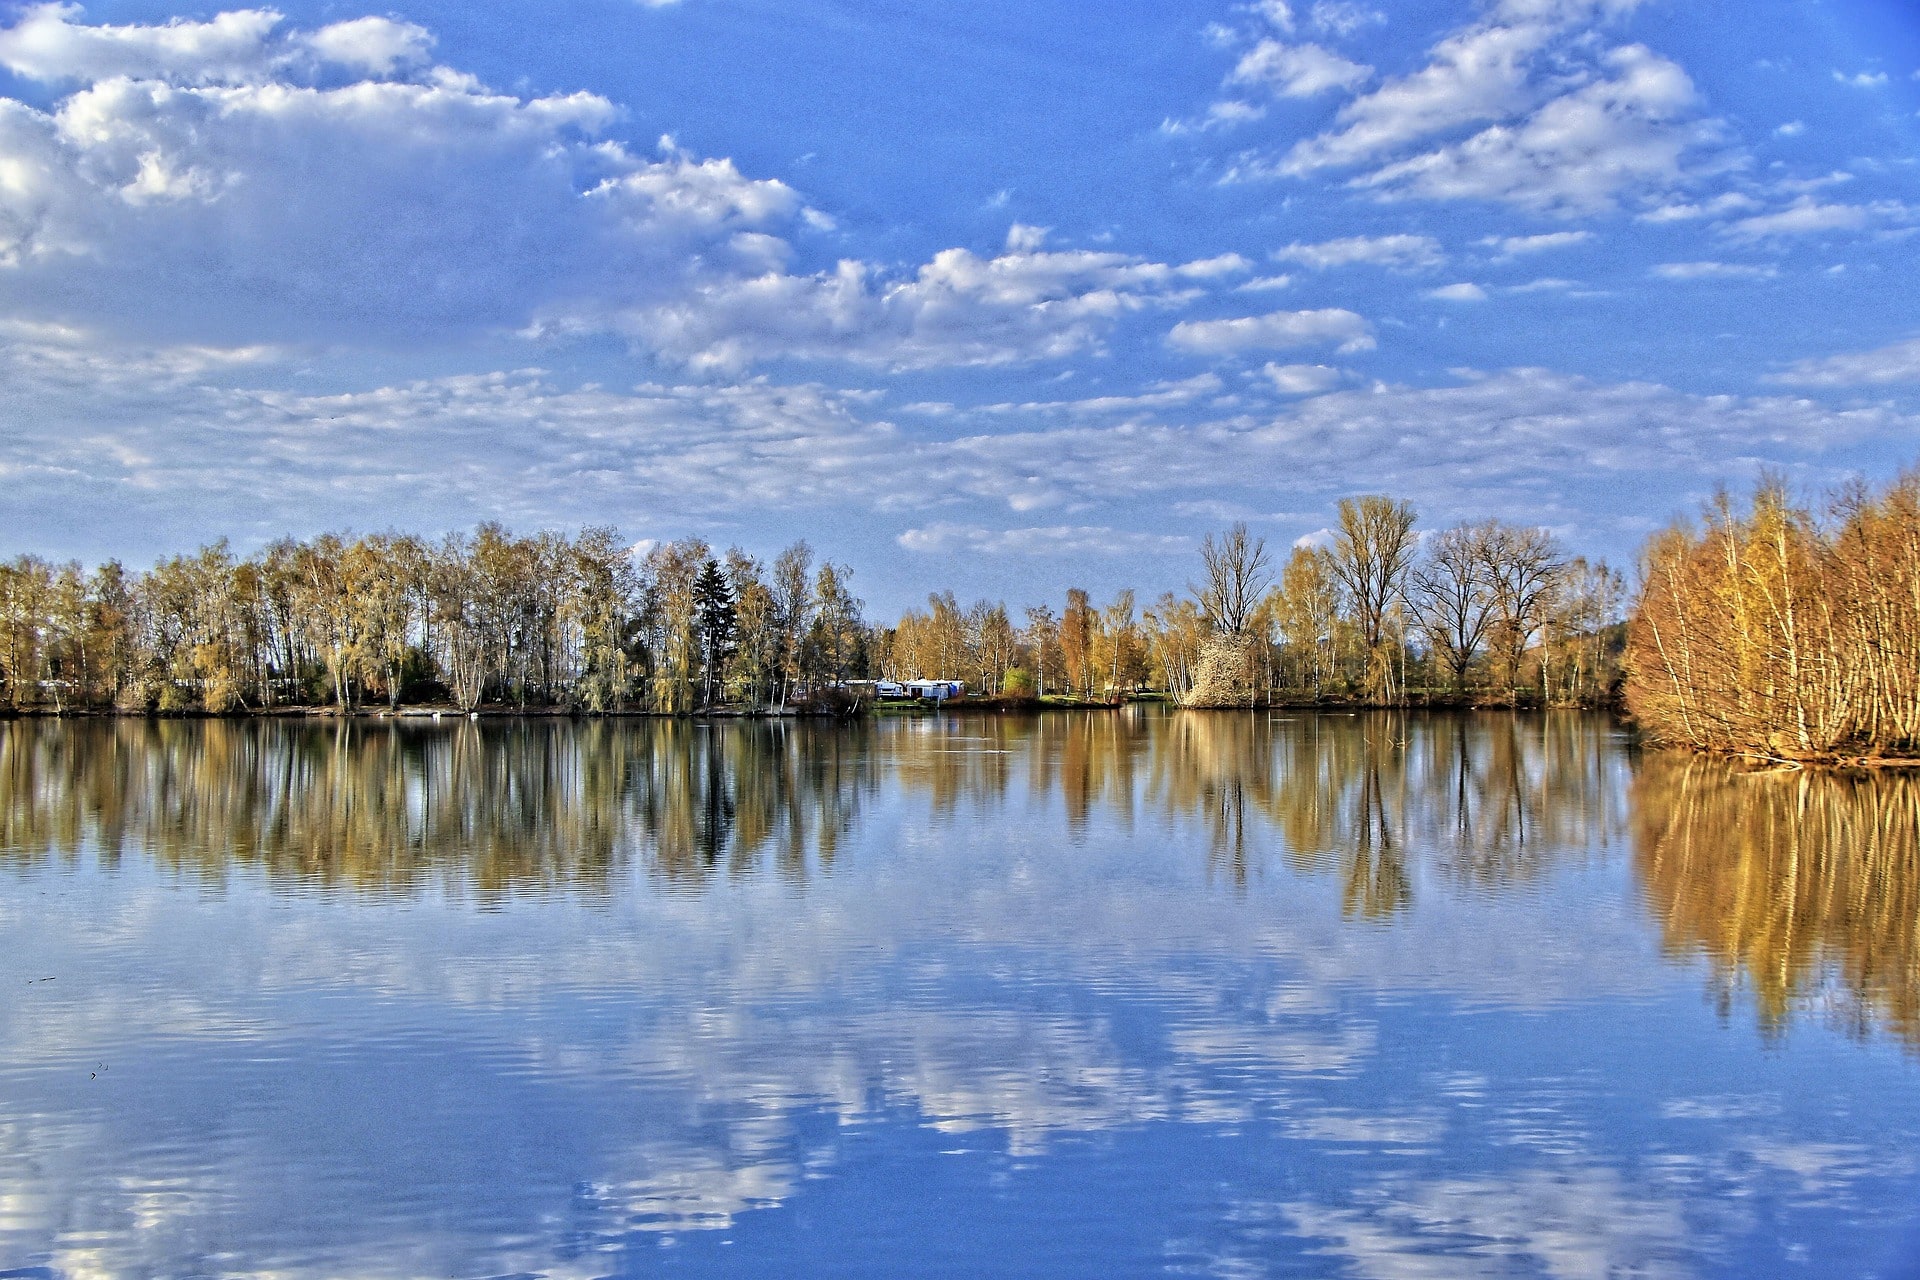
(1486,799)
(718,797)
(1376,884)
(492,809)
(1787,883)
(500,807)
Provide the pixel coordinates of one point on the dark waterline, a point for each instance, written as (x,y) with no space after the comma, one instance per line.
(1107,994)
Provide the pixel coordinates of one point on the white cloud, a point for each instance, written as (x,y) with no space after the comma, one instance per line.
(1159,395)
(1791,129)
(1045,540)
(234,48)
(1303,379)
(1479,74)
(1277,13)
(1401,251)
(1021,306)
(1545,284)
(1224,115)
(242,180)
(239,47)
(1714,271)
(379,46)
(1564,125)
(1516,246)
(1898,362)
(1465,291)
(1681,211)
(1264,284)
(198,183)
(1801,186)
(1275,330)
(1862,79)
(187,445)
(1297,70)
(1343,18)
(1808,216)
(1576,153)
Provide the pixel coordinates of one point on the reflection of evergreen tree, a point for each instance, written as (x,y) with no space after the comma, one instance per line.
(713,818)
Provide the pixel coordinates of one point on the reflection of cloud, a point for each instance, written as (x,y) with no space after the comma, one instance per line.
(1293,1051)
(693,1190)
(1573,1223)
(1819,1168)
(1387,1129)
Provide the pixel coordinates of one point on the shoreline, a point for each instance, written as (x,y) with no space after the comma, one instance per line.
(985,706)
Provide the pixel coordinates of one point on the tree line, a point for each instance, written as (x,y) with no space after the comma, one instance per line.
(489,618)
(1480,611)
(1483,611)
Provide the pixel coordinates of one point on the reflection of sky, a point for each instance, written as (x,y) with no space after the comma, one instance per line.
(996,1029)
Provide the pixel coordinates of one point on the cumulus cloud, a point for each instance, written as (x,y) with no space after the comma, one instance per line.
(203,181)
(1400,251)
(1897,362)
(244,179)
(379,46)
(1277,330)
(1465,291)
(240,47)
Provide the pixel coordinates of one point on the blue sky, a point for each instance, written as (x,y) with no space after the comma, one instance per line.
(993,296)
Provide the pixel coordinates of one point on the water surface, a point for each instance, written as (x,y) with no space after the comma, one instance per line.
(1108,994)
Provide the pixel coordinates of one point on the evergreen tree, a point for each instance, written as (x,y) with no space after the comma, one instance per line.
(715,624)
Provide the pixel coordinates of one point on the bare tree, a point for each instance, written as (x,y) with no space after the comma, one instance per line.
(1237,574)
(1452,595)
(793,610)
(1523,568)
(1372,551)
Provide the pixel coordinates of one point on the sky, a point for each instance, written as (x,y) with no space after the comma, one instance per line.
(991,296)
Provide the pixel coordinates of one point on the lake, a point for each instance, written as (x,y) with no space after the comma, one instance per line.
(1104,994)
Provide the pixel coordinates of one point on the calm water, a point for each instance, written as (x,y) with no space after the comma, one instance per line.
(1105,995)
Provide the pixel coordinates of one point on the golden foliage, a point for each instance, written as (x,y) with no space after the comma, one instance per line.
(1770,634)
